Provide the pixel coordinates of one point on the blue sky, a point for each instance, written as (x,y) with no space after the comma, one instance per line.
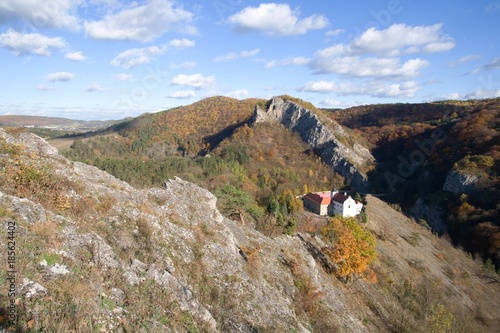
(108,59)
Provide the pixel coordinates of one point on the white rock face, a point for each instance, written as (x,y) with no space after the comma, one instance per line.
(31,289)
(58,269)
(345,160)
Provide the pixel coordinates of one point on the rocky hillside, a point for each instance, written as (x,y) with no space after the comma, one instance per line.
(93,253)
(441,162)
(351,161)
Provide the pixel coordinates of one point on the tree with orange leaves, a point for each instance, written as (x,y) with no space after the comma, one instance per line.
(353,249)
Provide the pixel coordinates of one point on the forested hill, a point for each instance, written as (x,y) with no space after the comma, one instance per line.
(405,113)
(256,171)
(188,127)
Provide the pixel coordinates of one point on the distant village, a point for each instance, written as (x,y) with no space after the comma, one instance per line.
(332,203)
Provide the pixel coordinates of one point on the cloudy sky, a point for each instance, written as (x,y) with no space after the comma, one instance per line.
(108,59)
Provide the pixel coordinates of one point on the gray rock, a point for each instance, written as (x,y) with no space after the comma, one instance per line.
(347,161)
(194,254)
(458,182)
(31,289)
(37,144)
(58,269)
(434,216)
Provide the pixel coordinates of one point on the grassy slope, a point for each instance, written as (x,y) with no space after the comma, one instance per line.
(418,272)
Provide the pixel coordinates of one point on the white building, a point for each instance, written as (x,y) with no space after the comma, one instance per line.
(332,203)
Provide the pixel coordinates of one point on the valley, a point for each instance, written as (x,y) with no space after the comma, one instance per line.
(401,152)
(205,212)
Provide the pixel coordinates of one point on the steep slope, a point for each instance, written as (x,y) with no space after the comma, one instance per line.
(93,253)
(351,162)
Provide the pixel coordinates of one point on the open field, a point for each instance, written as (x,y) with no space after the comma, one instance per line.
(61,143)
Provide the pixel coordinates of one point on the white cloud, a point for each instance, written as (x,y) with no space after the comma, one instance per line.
(123,77)
(453,96)
(96,87)
(297,61)
(183,94)
(492,65)
(182,43)
(275,20)
(31,43)
(464,59)
(142,23)
(196,81)
(134,57)
(184,65)
(238,94)
(107,3)
(477,94)
(59,76)
(42,13)
(233,55)
(355,66)
(333,103)
(376,53)
(336,32)
(44,88)
(402,39)
(226,57)
(75,56)
(483,93)
(373,88)
(250,53)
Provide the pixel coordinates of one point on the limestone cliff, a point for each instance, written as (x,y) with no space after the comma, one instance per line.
(350,162)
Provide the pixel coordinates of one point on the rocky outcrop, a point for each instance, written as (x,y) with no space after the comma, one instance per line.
(218,274)
(434,215)
(325,139)
(458,182)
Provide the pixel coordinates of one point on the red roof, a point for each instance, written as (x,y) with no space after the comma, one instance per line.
(318,198)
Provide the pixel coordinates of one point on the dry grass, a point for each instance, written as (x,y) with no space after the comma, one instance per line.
(48,232)
(308,297)
(417,275)
(251,254)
